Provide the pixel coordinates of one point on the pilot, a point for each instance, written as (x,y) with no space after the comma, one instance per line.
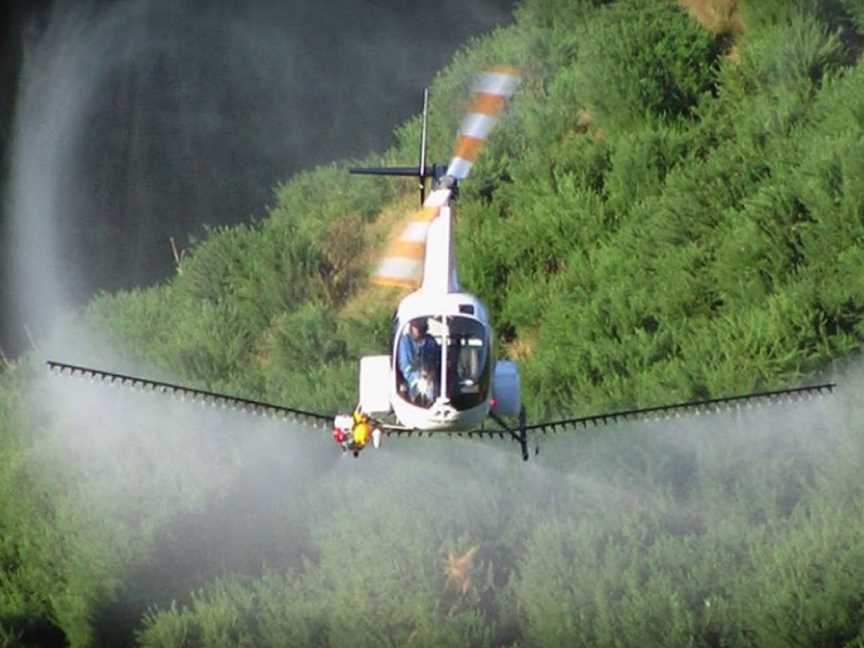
(418,362)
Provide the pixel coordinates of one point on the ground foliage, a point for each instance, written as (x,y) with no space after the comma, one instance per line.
(667,212)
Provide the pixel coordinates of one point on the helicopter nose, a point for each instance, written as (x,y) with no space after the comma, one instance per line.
(443,412)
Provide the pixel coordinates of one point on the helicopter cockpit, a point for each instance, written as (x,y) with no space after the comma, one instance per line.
(443,355)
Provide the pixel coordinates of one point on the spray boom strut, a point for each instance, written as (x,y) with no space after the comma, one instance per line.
(196,395)
(690,408)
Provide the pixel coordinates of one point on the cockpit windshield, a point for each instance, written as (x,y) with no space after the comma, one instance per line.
(443,352)
(467,362)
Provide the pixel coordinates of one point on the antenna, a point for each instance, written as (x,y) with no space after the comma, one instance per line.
(422,173)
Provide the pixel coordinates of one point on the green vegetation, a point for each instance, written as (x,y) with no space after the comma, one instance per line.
(665,213)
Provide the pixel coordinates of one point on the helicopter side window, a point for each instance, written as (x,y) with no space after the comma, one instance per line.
(468,361)
(418,361)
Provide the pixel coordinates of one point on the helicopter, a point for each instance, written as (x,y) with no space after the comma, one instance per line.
(441,375)
(452,383)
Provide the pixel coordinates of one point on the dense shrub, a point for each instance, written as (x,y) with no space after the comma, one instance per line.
(795,53)
(638,58)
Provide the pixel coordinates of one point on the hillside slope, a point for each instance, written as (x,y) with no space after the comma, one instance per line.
(672,214)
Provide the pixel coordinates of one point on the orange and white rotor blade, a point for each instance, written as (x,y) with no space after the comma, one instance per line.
(491,92)
(402,265)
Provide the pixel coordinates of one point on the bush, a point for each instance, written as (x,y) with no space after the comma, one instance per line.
(796,53)
(635,60)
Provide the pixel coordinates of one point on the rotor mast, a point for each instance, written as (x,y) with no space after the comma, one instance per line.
(434,223)
(423,255)
(422,171)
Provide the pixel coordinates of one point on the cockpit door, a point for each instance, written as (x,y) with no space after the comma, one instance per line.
(468,358)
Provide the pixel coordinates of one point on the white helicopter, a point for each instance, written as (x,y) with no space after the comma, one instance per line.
(441,376)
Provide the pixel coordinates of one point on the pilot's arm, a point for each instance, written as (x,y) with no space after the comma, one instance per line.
(428,354)
(408,361)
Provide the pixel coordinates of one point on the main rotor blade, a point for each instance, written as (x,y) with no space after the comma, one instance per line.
(692,408)
(195,395)
(492,91)
(402,265)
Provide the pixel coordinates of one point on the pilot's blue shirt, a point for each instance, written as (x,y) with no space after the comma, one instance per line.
(415,355)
